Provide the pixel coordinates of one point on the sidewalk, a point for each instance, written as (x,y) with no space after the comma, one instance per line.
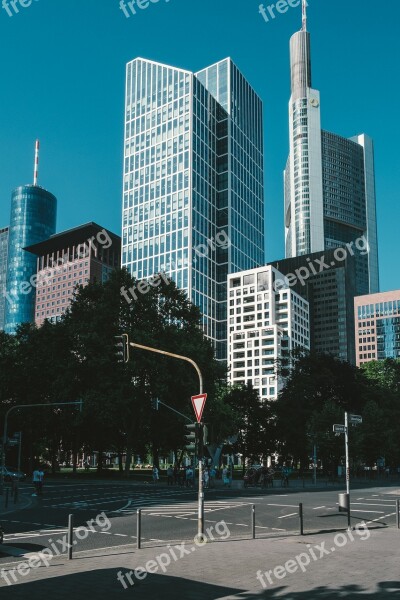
(363,567)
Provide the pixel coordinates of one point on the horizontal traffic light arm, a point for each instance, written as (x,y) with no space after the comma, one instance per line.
(171,354)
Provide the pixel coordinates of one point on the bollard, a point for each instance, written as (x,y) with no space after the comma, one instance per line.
(253,521)
(301,518)
(6,500)
(70,535)
(139,528)
(398,513)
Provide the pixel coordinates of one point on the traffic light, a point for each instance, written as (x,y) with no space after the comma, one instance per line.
(122,347)
(155,403)
(205,435)
(191,436)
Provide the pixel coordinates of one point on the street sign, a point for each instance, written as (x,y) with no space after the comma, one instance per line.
(355,419)
(198,405)
(339,428)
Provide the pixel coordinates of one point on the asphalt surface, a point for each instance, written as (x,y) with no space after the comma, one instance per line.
(105,515)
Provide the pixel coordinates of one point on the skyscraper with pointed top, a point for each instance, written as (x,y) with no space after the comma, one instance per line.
(329,180)
(32,220)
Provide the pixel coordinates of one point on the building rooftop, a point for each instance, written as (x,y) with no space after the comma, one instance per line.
(71,237)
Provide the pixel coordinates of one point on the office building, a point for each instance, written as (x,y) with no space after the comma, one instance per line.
(329,180)
(33,219)
(3,272)
(377,326)
(193,200)
(328,284)
(87,253)
(267,320)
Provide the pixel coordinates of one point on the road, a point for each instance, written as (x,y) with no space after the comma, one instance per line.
(105,515)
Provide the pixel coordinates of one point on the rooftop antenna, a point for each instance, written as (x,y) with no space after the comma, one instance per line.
(36,166)
(304,19)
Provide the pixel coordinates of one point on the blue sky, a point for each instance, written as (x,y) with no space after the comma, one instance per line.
(62,80)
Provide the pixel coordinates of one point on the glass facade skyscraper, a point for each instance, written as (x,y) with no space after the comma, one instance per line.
(33,219)
(3,272)
(193,200)
(329,180)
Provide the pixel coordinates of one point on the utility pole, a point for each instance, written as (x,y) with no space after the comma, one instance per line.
(346,438)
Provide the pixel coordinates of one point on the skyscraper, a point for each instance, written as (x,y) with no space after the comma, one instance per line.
(3,272)
(32,220)
(85,254)
(267,320)
(193,200)
(329,180)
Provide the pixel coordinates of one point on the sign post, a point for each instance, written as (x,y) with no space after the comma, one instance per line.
(346,437)
(338,429)
(199,403)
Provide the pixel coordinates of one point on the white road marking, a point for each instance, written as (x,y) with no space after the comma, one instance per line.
(285,505)
(286,516)
(318,507)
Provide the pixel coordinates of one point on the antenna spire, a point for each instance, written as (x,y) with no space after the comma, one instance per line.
(304,19)
(36,166)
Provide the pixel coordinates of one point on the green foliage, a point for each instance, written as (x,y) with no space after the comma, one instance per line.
(319,388)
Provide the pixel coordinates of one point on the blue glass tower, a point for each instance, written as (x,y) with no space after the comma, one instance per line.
(33,220)
(193,203)
(3,272)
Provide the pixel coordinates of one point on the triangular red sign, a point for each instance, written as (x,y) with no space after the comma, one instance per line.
(198,405)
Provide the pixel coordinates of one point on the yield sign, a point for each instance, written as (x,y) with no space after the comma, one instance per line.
(198,405)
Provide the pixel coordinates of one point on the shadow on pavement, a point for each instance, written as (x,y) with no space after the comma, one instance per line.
(103,584)
(384,589)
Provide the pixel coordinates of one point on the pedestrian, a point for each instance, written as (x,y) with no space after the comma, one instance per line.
(170,475)
(41,481)
(155,474)
(206,478)
(225,476)
(36,481)
(213,474)
(189,476)
(176,474)
(182,476)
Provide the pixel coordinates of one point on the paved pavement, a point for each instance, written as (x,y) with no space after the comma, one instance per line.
(171,514)
(364,563)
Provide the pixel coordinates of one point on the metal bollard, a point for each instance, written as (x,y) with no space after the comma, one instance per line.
(70,535)
(253,521)
(6,500)
(139,528)
(398,513)
(301,518)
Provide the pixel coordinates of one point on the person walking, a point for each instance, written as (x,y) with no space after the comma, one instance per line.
(36,481)
(41,481)
(189,476)
(170,475)
(213,474)
(155,475)
(206,478)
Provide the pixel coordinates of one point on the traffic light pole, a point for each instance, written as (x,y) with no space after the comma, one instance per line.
(3,458)
(196,366)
